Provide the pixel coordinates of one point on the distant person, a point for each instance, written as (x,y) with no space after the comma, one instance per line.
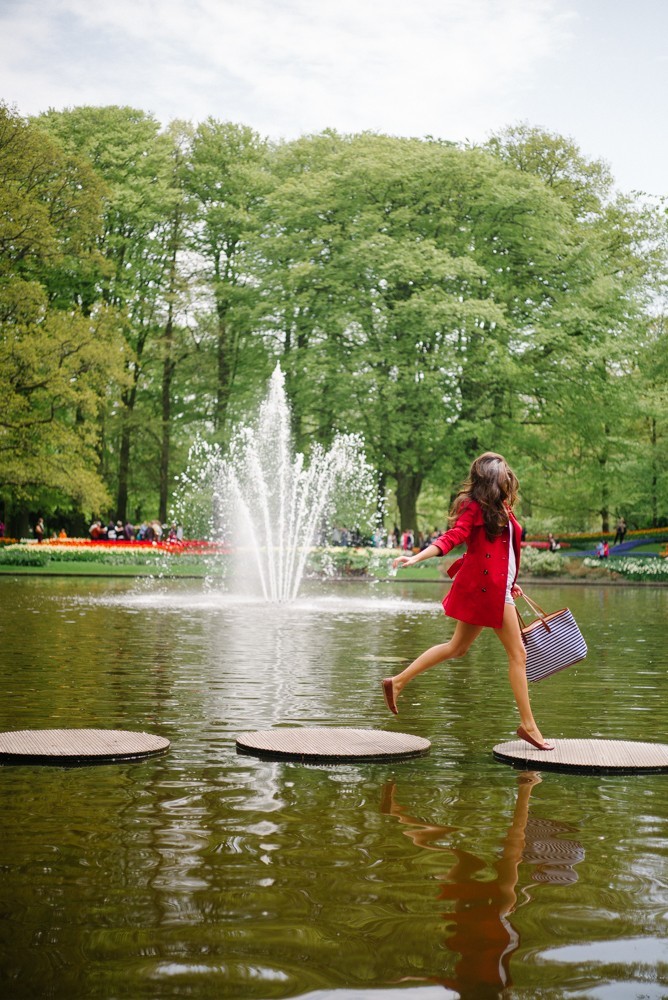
(606,549)
(128,532)
(600,550)
(484,583)
(621,531)
(552,543)
(39,529)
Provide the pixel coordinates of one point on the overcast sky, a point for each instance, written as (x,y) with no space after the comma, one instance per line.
(595,70)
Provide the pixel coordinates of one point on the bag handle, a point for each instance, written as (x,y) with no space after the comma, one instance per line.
(537,610)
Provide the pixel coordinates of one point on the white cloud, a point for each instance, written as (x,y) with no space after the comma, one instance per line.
(438,66)
(455,69)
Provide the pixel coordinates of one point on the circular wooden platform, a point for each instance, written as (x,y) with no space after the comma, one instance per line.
(587,756)
(331,745)
(77,746)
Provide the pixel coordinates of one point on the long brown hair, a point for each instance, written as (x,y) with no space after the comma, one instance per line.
(493,485)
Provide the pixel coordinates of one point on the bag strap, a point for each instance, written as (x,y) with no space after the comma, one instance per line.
(537,610)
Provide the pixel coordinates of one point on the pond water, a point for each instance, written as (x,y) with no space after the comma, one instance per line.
(204,873)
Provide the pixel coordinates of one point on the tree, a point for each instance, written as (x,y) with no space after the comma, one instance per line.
(58,354)
(226,180)
(401,271)
(576,358)
(125,148)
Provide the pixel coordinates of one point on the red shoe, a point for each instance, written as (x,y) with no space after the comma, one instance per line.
(389,695)
(523,735)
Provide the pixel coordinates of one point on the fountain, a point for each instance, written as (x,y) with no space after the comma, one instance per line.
(269,505)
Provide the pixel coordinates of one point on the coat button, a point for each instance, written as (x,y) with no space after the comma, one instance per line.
(485,572)
(488,555)
(484,590)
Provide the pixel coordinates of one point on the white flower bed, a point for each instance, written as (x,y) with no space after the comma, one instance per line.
(637,569)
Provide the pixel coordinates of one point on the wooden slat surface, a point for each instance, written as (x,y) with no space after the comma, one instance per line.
(78,744)
(593,756)
(331,743)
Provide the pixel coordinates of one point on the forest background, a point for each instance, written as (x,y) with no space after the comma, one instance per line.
(440,299)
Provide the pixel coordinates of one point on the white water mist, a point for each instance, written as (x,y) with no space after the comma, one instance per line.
(269,504)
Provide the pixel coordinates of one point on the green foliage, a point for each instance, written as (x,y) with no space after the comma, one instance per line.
(539,562)
(59,358)
(438,299)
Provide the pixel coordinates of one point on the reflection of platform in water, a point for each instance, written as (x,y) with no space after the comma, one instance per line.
(331,745)
(77,746)
(588,756)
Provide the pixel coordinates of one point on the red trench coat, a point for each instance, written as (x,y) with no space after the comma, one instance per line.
(478,591)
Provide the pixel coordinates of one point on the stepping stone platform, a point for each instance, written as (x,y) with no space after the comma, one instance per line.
(78,746)
(331,745)
(587,756)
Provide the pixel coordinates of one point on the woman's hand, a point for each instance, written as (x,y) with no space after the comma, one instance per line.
(516,591)
(403,561)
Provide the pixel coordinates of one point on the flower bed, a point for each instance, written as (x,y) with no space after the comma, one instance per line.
(192,546)
(596,536)
(633,569)
(111,553)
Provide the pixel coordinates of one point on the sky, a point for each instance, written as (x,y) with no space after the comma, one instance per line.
(593,70)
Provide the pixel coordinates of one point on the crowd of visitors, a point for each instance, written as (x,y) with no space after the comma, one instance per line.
(147,531)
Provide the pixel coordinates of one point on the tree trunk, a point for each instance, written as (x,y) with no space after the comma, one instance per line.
(224,372)
(165,442)
(409,485)
(123,474)
(655,477)
(18,521)
(605,489)
(129,399)
(168,366)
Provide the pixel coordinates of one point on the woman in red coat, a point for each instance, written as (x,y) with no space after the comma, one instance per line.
(484,582)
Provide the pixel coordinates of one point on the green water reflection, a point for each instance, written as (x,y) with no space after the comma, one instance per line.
(208,874)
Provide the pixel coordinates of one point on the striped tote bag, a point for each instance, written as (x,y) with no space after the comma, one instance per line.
(552,641)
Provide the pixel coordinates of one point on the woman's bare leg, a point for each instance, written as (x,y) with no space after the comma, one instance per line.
(462,638)
(511,637)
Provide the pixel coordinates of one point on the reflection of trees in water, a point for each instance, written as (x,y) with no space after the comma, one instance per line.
(479,928)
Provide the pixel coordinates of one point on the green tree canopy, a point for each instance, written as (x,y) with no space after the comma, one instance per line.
(59,357)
